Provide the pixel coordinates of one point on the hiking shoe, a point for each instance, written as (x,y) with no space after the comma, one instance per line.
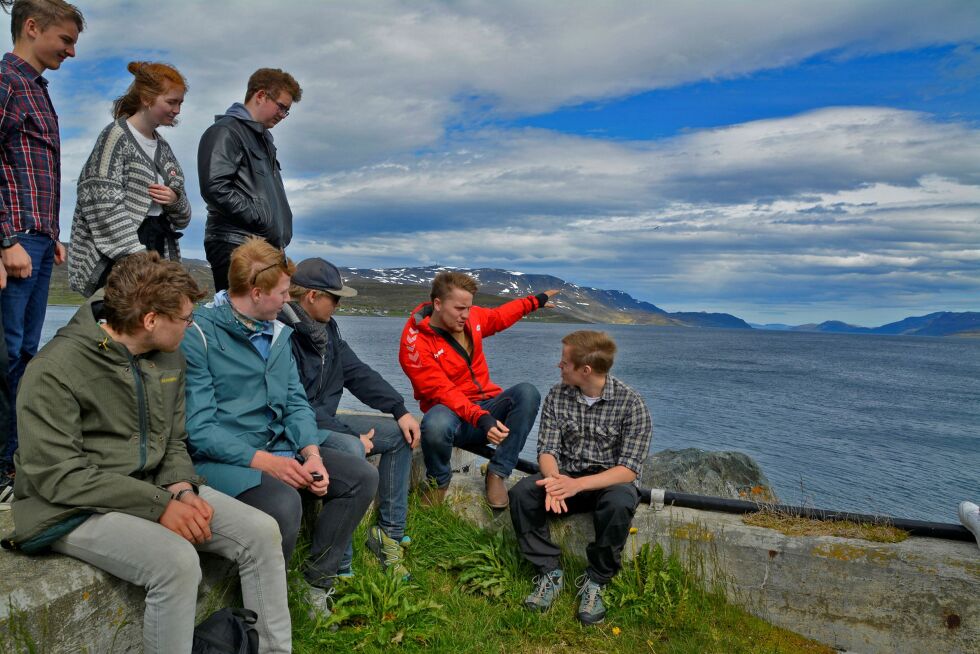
(497,496)
(6,497)
(388,551)
(320,600)
(434,495)
(591,610)
(970,517)
(545,591)
(346,573)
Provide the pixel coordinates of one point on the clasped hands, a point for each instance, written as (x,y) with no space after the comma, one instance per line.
(558,488)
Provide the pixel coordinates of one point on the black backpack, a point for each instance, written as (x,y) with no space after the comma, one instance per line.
(228,631)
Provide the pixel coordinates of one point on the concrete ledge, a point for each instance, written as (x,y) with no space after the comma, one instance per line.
(920,595)
(69,606)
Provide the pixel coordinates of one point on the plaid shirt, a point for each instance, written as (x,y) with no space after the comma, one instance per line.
(616,430)
(30,151)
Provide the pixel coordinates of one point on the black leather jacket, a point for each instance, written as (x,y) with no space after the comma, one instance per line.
(241,183)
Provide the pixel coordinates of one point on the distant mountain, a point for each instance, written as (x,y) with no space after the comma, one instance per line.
(940,323)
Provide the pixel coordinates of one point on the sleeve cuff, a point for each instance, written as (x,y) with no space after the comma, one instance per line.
(399,411)
(485,423)
(542,299)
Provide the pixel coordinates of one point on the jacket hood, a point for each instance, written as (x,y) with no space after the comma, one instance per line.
(238,110)
(420,314)
(84,329)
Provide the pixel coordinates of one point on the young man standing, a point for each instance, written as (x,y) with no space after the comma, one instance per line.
(239,174)
(103,473)
(441,351)
(250,428)
(328,365)
(595,432)
(44,33)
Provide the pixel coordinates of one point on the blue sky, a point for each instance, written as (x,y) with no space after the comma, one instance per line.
(785,161)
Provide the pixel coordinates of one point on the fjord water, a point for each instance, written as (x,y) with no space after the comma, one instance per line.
(876,424)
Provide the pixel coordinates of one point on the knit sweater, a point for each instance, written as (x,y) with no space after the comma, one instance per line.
(113,200)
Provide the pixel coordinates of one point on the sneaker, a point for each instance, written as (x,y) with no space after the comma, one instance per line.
(591,610)
(6,497)
(346,573)
(388,551)
(546,590)
(320,600)
(970,517)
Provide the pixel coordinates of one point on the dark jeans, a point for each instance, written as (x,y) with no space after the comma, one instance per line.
(613,509)
(442,429)
(218,254)
(23,305)
(5,406)
(353,484)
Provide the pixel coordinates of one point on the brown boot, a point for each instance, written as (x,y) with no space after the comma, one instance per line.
(496,492)
(433,495)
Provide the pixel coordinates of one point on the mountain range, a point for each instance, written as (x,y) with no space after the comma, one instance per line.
(396,291)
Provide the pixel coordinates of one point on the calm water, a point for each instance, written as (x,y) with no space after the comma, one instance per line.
(876,424)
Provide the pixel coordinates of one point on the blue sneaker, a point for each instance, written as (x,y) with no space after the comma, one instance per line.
(547,587)
(591,610)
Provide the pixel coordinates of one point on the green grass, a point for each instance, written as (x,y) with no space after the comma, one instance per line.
(467,590)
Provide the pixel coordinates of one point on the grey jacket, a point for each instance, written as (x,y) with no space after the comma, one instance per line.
(241,182)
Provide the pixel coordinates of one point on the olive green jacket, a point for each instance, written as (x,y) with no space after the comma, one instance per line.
(100,430)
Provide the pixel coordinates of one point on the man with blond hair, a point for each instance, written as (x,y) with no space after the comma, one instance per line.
(239,172)
(595,432)
(103,473)
(44,34)
(250,427)
(441,351)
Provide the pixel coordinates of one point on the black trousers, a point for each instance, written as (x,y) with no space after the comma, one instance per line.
(353,485)
(218,254)
(612,510)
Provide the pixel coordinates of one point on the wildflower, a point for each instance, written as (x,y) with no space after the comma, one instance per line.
(633,530)
(616,631)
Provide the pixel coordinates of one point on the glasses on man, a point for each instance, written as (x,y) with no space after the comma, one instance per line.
(283,109)
(280,264)
(189,318)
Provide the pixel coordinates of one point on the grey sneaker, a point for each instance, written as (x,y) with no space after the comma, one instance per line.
(320,600)
(970,517)
(546,590)
(591,610)
(388,551)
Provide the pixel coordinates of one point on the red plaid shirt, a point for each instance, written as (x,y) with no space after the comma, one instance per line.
(30,151)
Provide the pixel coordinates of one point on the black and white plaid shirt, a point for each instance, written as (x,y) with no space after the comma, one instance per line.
(616,430)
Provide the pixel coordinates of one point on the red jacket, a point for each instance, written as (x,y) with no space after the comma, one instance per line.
(437,366)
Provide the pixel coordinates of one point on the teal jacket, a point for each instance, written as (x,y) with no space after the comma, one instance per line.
(238,403)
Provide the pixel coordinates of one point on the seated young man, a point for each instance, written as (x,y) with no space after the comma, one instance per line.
(328,365)
(595,432)
(250,428)
(441,351)
(84,488)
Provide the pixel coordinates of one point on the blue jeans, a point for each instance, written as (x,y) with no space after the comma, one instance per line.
(394,470)
(23,305)
(442,429)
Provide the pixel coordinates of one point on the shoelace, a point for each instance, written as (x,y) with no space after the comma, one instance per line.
(543,582)
(592,592)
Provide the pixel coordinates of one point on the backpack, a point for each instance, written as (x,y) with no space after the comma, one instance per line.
(227,631)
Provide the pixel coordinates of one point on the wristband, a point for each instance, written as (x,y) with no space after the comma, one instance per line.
(180,494)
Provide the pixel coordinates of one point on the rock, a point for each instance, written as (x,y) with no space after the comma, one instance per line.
(719,474)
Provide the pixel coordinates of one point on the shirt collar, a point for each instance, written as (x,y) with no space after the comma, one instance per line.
(25,68)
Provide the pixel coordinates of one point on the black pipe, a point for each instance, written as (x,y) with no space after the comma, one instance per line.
(944,530)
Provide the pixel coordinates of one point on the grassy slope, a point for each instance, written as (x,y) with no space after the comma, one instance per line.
(665,609)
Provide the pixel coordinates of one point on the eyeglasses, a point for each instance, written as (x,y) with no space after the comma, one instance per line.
(281,263)
(189,318)
(283,109)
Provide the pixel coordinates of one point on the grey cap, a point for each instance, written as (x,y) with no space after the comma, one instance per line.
(321,275)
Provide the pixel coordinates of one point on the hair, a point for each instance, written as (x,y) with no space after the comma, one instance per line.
(297,292)
(273,81)
(142,283)
(591,348)
(45,12)
(445,282)
(151,80)
(257,264)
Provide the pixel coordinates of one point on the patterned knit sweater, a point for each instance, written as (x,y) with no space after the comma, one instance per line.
(113,201)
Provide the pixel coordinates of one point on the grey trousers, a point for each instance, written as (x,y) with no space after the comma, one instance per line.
(150,555)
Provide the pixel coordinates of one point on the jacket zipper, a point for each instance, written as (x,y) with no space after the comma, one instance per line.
(141,407)
(453,343)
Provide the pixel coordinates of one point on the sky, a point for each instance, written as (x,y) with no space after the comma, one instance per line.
(784,161)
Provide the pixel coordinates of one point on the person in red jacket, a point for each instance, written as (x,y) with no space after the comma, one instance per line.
(441,352)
